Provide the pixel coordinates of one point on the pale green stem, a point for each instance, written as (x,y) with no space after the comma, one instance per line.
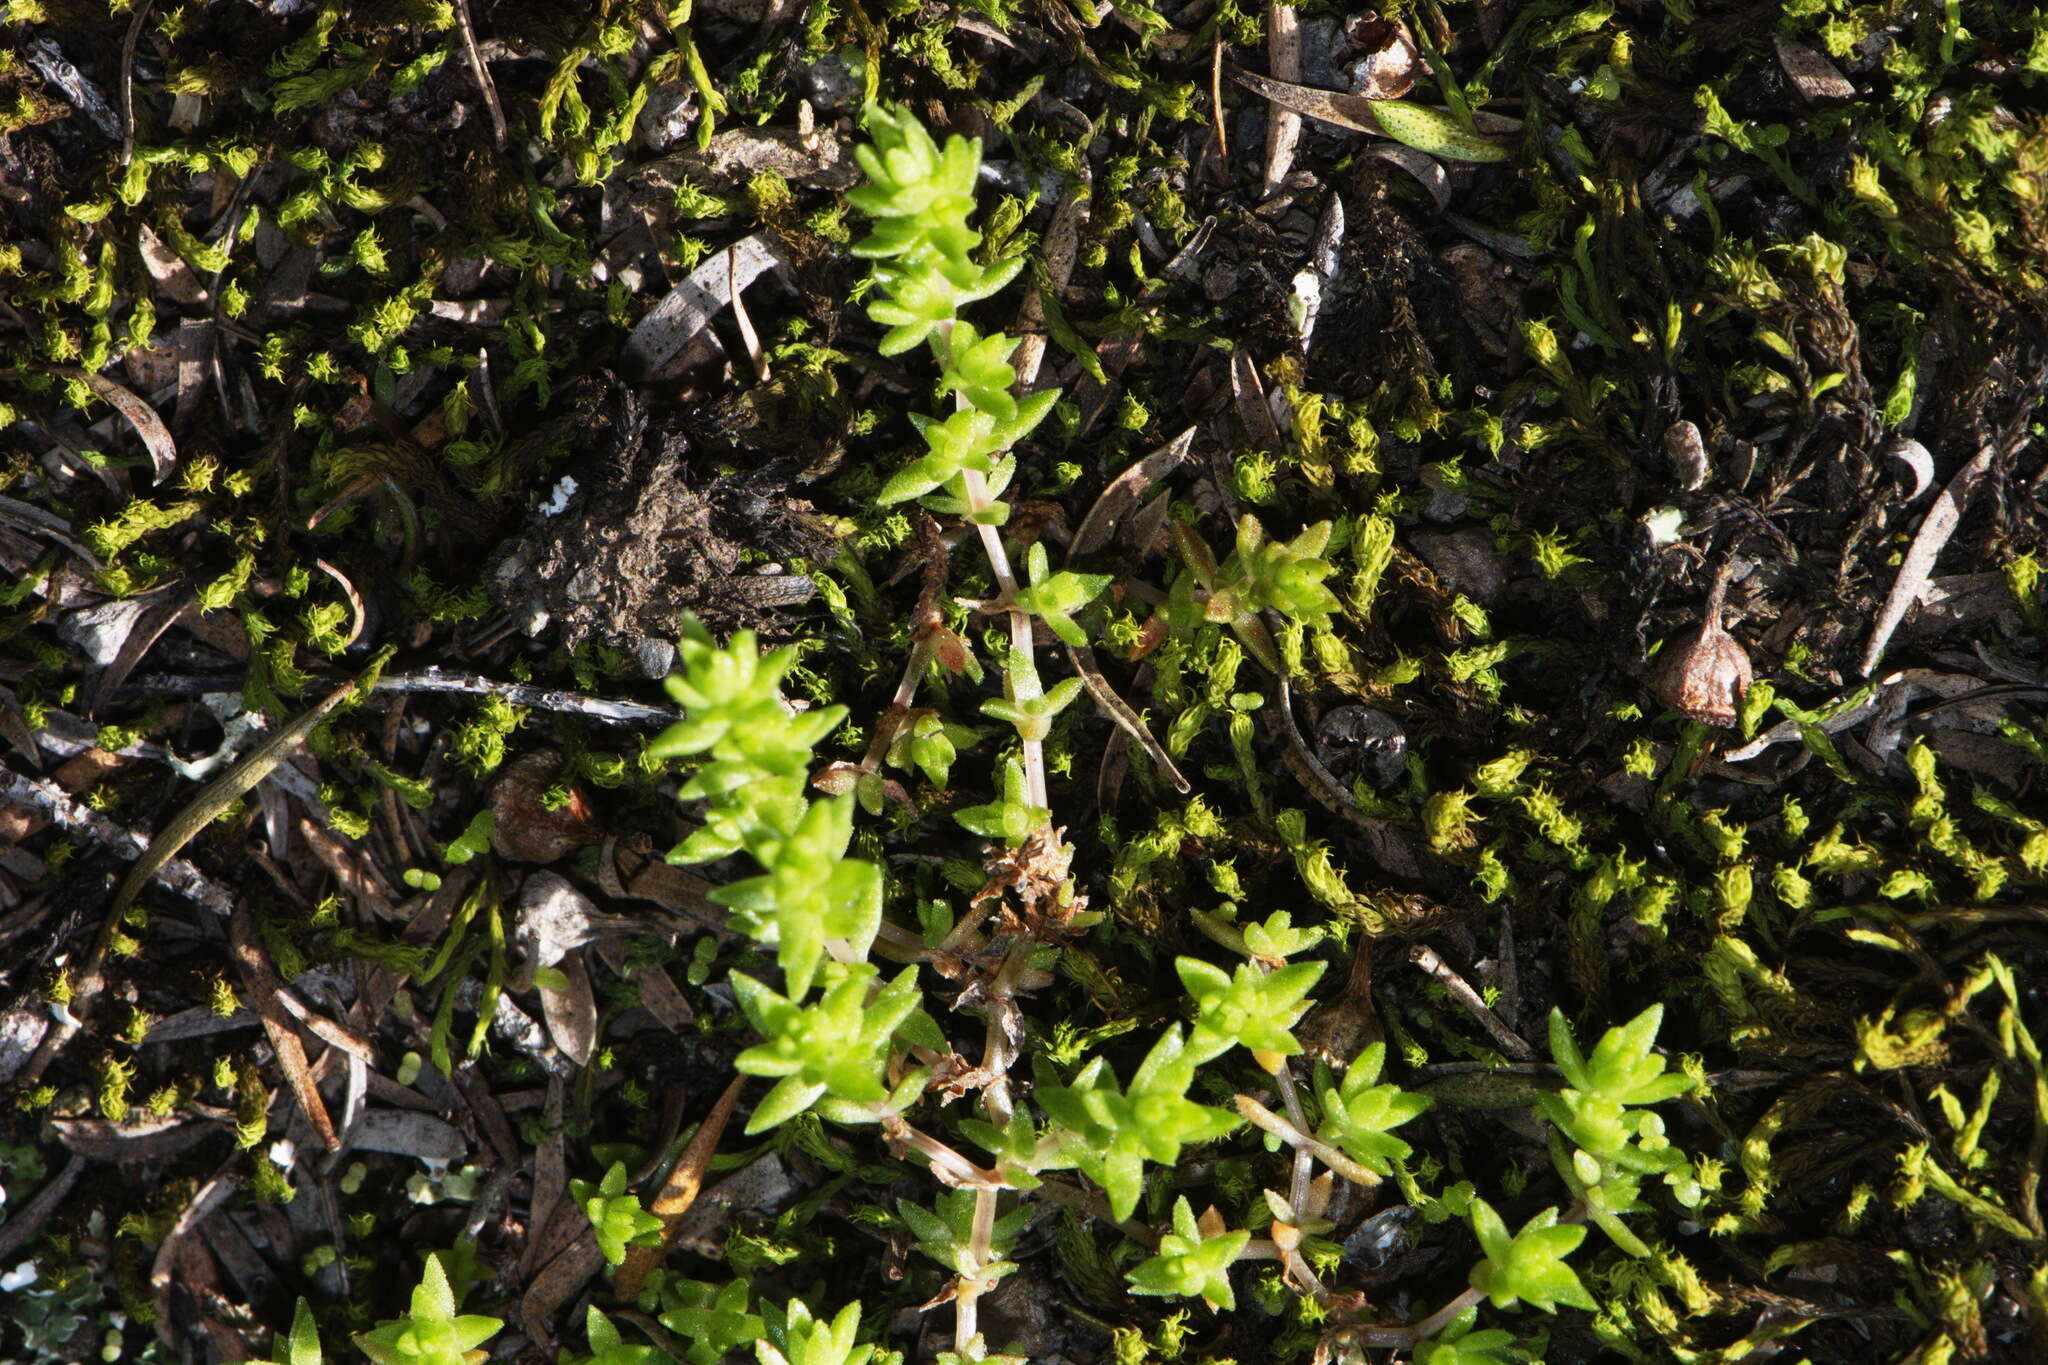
(1293,1135)
(974,492)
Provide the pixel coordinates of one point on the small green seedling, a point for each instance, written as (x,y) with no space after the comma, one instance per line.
(432,1334)
(834,1048)
(615,1215)
(1359,1114)
(1458,1344)
(794,1337)
(1254,1008)
(1529,1265)
(607,1347)
(713,1317)
(1110,1133)
(302,1347)
(1193,1261)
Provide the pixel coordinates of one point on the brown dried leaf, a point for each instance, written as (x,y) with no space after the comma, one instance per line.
(523,827)
(163,452)
(142,637)
(571,1011)
(142,1140)
(1426,169)
(1388,61)
(406,1132)
(1245,386)
(678,1193)
(261,982)
(1815,77)
(659,994)
(1125,491)
(1941,522)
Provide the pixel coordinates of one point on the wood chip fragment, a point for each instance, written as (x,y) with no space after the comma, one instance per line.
(1817,79)
(689,307)
(1283,126)
(212,1195)
(25,1221)
(405,1132)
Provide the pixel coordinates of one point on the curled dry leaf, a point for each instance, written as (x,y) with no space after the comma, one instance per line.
(525,827)
(1917,458)
(1941,522)
(1425,127)
(1427,170)
(1388,61)
(1098,529)
(1687,452)
(163,452)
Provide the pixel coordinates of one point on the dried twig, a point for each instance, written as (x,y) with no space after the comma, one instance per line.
(1292,1134)
(748,337)
(1216,105)
(26,1221)
(77,818)
(526,694)
(482,74)
(264,988)
(1461,990)
(128,81)
(216,797)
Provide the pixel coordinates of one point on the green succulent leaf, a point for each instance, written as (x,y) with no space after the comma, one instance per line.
(616,1218)
(804,1340)
(1254,1007)
(945,1233)
(1359,1115)
(1010,818)
(302,1347)
(1529,1265)
(1458,1344)
(607,1347)
(811,893)
(1435,131)
(1625,1067)
(713,1317)
(836,1046)
(1055,597)
(433,1333)
(1284,577)
(1109,1133)
(1190,1265)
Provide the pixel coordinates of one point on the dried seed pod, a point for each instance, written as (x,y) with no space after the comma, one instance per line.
(1687,452)
(1703,673)
(523,827)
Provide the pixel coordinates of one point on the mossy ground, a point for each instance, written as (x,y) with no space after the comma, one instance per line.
(380,337)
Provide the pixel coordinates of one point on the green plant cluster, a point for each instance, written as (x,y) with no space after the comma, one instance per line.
(1751,920)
